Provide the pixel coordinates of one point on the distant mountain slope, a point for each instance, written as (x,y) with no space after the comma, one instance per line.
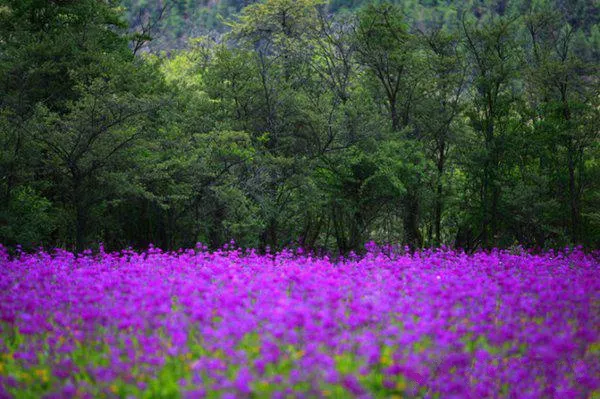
(183,19)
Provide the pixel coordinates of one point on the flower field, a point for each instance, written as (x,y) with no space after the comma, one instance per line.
(236,324)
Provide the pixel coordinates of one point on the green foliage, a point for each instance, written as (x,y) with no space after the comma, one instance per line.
(182,20)
(28,219)
(322,124)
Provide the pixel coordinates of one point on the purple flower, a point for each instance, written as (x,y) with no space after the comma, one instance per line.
(352,384)
(481,325)
(243,380)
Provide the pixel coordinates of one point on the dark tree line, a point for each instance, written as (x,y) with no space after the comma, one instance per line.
(472,126)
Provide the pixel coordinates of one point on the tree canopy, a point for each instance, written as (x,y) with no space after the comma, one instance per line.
(311,123)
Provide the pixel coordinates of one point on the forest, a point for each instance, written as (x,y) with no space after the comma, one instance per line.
(299,123)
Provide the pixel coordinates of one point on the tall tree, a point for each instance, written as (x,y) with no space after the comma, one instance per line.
(90,139)
(438,115)
(385,47)
(68,79)
(564,88)
(494,61)
(389,52)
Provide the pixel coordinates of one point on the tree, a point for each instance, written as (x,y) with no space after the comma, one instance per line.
(52,52)
(385,47)
(91,138)
(438,116)
(494,62)
(565,98)
(389,53)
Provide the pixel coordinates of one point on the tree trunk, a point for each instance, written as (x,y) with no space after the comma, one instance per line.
(273,233)
(489,202)
(81,216)
(573,192)
(339,230)
(439,193)
(356,232)
(395,119)
(573,196)
(412,235)
(215,235)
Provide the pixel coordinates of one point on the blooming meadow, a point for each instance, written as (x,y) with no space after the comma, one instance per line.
(233,323)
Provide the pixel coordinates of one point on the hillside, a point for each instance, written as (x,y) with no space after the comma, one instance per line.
(185,19)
